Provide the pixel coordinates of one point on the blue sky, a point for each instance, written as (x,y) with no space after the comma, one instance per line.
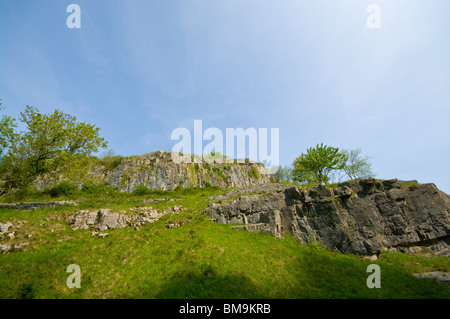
(313,69)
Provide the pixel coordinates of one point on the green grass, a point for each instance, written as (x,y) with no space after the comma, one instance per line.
(254,173)
(405,184)
(198,260)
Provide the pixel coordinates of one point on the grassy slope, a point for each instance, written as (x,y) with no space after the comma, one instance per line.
(198,260)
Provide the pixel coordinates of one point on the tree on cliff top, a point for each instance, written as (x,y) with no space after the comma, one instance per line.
(357,166)
(50,142)
(317,164)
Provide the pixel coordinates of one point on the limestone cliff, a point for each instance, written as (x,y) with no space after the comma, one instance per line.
(158,171)
(362,217)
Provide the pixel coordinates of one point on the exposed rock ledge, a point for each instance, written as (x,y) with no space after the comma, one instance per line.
(37,205)
(103,219)
(361,217)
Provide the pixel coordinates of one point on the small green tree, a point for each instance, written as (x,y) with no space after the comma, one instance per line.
(51,143)
(357,166)
(317,163)
(302,175)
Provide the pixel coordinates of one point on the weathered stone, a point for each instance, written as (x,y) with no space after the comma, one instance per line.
(4,227)
(20,246)
(5,248)
(392,183)
(371,258)
(176,224)
(362,217)
(438,275)
(250,189)
(104,219)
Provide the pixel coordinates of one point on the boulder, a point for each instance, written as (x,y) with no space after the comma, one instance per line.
(4,227)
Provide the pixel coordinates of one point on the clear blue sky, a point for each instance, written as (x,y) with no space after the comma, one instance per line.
(139,69)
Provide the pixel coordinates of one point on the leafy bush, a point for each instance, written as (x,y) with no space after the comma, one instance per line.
(111,162)
(92,187)
(208,186)
(64,188)
(24,193)
(141,190)
(179,188)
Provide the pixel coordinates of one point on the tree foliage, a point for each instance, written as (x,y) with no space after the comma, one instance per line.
(322,162)
(110,160)
(7,125)
(357,166)
(284,175)
(317,163)
(50,143)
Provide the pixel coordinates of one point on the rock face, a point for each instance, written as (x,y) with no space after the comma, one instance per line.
(361,217)
(157,170)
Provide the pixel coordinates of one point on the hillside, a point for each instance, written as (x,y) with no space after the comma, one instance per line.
(163,245)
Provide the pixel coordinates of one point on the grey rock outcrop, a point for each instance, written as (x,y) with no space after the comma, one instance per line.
(4,227)
(361,217)
(438,275)
(157,170)
(103,219)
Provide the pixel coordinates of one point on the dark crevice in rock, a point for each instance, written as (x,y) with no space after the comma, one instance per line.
(426,242)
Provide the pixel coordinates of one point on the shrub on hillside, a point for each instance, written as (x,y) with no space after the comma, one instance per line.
(141,190)
(110,160)
(92,187)
(64,188)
